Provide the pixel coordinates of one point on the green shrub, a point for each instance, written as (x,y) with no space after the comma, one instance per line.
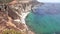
(11,32)
(5,1)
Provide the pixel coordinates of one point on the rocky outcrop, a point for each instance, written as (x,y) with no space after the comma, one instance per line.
(17,11)
(6,22)
(22,9)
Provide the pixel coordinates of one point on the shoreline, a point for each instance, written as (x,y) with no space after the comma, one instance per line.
(23,21)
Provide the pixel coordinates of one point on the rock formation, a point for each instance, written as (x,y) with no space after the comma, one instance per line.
(17,10)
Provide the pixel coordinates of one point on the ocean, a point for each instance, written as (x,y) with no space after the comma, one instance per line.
(45,19)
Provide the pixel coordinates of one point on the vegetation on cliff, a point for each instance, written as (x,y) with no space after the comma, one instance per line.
(11,31)
(5,1)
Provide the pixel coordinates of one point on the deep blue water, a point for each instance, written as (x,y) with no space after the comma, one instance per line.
(45,19)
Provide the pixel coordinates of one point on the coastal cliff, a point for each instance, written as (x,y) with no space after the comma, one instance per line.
(17,12)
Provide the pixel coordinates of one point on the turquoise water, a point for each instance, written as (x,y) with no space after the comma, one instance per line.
(44,21)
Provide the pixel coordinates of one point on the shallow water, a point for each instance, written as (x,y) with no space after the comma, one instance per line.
(45,19)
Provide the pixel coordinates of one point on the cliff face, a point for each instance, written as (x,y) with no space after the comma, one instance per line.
(22,8)
(15,18)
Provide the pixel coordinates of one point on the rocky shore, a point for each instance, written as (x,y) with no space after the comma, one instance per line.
(17,12)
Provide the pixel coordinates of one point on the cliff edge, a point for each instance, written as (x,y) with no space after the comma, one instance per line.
(17,10)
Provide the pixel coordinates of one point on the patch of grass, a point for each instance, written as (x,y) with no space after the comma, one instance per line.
(11,32)
(5,1)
